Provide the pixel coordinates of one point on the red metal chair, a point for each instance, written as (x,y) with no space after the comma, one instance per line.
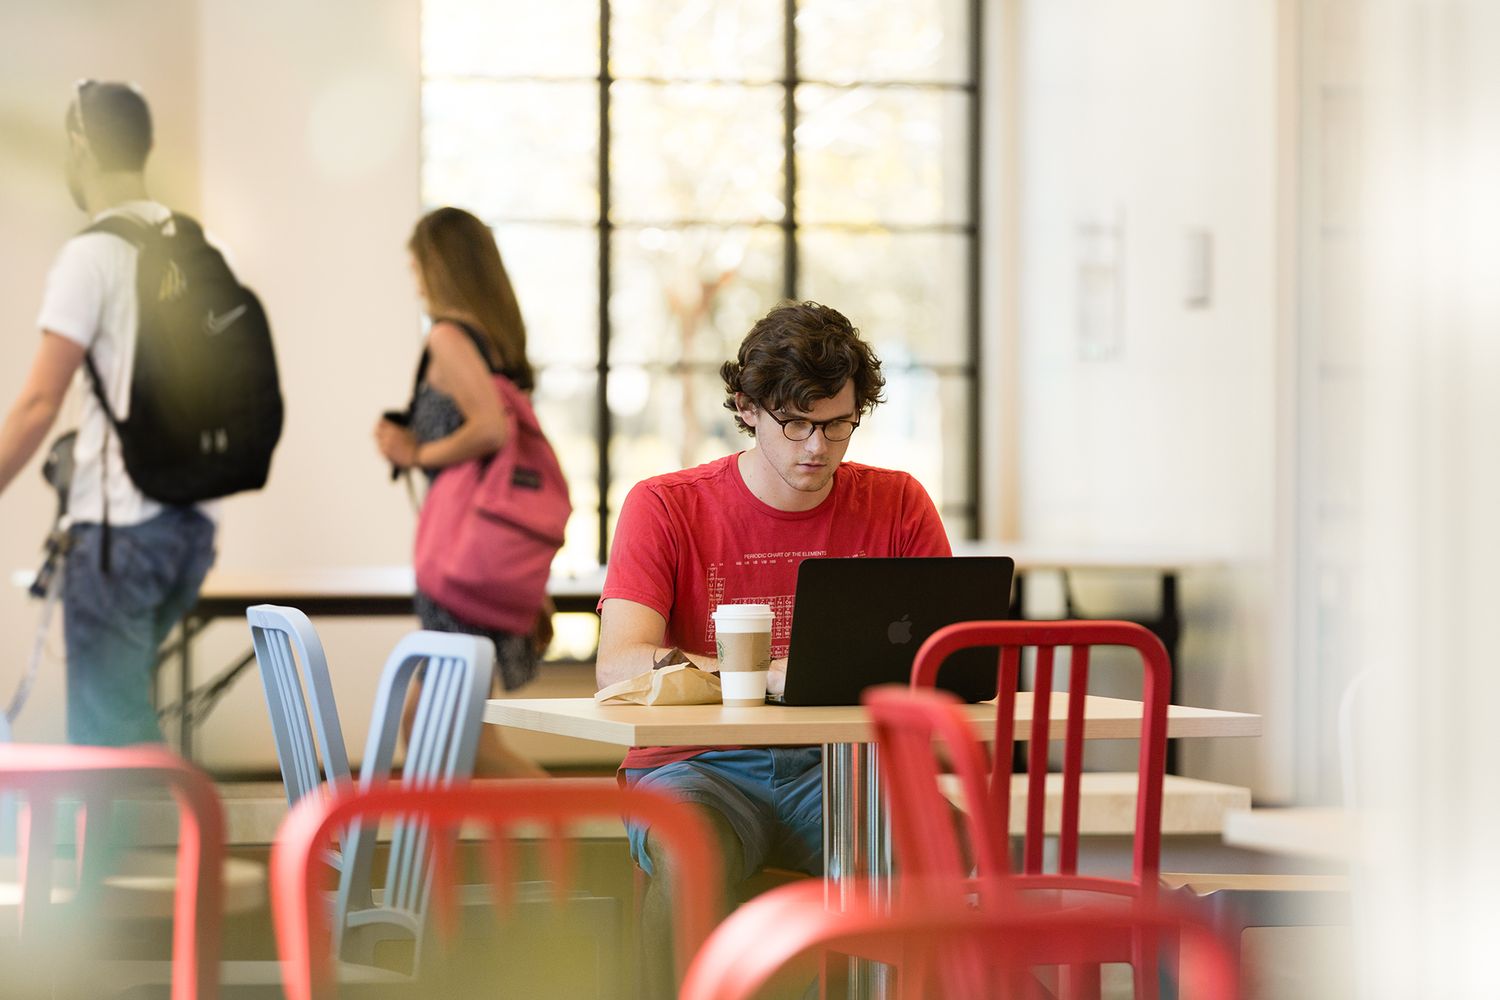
(303,934)
(96,778)
(785,930)
(1080,637)
(908,720)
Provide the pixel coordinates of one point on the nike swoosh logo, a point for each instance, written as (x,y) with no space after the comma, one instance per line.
(214,325)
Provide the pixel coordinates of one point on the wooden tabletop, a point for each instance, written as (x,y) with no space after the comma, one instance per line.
(356,581)
(777,725)
(1327,833)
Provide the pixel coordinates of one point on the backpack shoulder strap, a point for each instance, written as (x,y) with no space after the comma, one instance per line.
(184,227)
(128,228)
(138,233)
(184,223)
(416,383)
(483,346)
(98,386)
(480,344)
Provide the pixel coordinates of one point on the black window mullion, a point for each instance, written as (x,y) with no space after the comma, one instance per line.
(976,272)
(789,147)
(789,225)
(601,401)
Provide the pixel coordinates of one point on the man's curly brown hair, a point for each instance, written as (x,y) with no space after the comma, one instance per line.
(799,353)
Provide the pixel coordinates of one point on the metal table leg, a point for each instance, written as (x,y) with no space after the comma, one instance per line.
(190,628)
(856,846)
(1168,629)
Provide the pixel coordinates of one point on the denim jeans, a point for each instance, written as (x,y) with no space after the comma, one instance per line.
(113,625)
(771,796)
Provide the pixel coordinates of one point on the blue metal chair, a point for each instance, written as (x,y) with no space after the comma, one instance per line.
(299,695)
(310,749)
(444,737)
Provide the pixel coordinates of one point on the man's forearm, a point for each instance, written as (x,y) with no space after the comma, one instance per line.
(25,426)
(625,662)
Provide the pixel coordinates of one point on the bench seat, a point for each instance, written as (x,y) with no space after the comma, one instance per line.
(1107,803)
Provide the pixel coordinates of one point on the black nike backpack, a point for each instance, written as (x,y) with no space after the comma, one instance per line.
(205,401)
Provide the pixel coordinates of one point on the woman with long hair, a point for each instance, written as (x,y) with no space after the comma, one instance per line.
(456,415)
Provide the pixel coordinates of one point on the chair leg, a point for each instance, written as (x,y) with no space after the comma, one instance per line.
(1237,910)
(1079,982)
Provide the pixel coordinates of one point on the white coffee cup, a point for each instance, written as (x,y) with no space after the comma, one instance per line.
(745,687)
(743,643)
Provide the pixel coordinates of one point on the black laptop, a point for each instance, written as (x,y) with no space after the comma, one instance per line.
(858,622)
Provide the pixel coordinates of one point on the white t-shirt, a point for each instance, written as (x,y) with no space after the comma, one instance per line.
(91,299)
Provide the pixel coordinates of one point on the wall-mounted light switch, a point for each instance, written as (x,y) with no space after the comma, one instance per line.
(1101,286)
(1198,269)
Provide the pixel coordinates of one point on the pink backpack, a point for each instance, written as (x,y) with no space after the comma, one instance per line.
(489,527)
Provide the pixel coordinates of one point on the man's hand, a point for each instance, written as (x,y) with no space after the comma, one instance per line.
(35,409)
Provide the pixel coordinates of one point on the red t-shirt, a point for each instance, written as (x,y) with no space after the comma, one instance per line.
(692,540)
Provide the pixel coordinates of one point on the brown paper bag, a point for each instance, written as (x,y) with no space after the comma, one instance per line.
(680,684)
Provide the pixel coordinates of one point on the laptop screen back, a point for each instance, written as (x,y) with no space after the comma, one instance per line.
(858,622)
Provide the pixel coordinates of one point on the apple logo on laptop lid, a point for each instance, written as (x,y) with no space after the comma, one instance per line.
(899,632)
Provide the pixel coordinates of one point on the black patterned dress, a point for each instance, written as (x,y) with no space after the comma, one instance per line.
(434,415)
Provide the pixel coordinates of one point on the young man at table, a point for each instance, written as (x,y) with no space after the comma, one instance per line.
(735,531)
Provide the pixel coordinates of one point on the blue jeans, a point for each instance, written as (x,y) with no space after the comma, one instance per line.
(113,625)
(771,796)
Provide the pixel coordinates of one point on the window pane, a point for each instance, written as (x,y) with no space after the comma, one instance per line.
(565,401)
(512,38)
(555,272)
(690,294)
(923,429)
(907,292)
(915,41)
(697,39)
(696,152)
(665,421)
(512,150)
(575,638)
(869,155)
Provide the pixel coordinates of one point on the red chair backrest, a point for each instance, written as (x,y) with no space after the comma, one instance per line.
(301,915)
(1046,637)
(97,777)
(775,929)
(908,726)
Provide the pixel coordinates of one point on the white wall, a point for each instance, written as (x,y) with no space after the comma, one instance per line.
(310,157)
(1160,114)
(1428,490)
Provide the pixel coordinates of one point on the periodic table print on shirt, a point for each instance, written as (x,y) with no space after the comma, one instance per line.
(781,604)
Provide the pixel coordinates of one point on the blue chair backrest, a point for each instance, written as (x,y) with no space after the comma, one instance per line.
(456,673)
(299,695)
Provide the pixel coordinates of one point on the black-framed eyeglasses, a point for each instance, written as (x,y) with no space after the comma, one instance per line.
(800,428)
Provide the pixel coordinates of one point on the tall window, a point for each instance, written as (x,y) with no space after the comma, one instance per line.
(659,173)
